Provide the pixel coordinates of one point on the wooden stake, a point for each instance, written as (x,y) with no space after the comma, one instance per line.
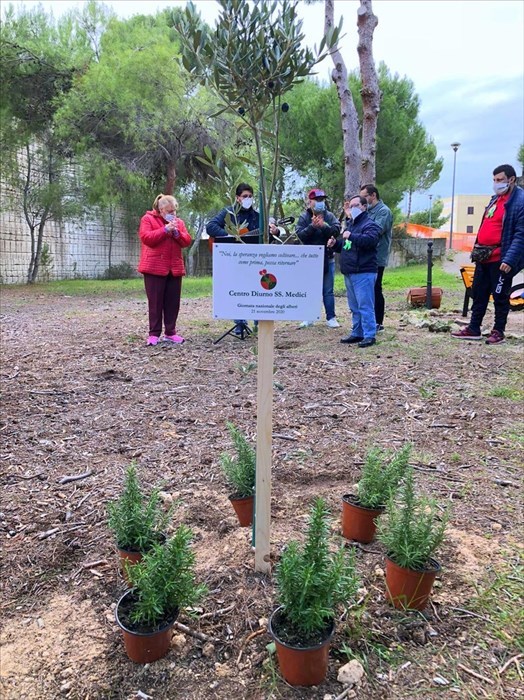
(266,332)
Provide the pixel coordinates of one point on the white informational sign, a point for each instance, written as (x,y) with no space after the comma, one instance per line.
(267,282)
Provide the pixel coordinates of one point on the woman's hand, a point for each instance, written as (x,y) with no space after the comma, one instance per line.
(171,228)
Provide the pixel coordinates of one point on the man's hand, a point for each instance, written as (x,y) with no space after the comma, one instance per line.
(504,267)
(331,242)
(317,221)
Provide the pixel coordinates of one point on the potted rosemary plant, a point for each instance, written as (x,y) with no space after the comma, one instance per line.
(136,519)
(163,583)
(411,530)
(240,473)
(311,582)
(381,475)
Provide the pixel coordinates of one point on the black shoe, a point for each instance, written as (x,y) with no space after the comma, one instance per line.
(380,328)
(367,343)
(350,339)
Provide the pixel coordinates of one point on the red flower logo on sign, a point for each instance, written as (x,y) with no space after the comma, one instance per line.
(268,281)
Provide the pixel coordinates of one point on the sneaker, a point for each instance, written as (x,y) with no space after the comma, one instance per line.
(466,334)
(380,328)
(367,343)
(495,338)
(152,340)
(174,338)
(350,339)
(332,323)
(306,324)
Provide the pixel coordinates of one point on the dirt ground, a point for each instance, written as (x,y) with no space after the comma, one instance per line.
(82,393)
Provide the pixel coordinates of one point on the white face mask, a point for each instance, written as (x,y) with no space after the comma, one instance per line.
(500,187)
(355,211)
(247,203)
(169,217)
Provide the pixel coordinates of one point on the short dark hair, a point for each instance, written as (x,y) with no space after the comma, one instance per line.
(362,200)
(370,189)
(508,170)
(242,188)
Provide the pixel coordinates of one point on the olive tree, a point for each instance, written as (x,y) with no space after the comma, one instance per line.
(250,60)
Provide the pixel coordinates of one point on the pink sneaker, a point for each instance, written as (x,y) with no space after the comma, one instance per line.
(174,338)
(152,340)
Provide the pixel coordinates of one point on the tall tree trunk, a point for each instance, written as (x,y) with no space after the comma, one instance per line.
(366,22)
(195,247)
(348,113)
(170,178)
(38,252)
(410,195)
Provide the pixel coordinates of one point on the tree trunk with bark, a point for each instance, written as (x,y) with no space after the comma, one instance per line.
(359,157)
(348,113)
(366,22)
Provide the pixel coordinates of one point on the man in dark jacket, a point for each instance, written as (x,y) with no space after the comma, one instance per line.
(358,264)
(315,227)
(244,219)
(382,215)
(501,233)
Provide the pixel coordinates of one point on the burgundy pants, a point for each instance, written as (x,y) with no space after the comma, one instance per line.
(163,297)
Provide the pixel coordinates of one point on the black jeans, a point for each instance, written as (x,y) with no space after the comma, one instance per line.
(488,279)
(380,304)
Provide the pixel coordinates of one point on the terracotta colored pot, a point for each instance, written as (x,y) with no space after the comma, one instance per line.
(128,558)
(409,589)
(358,522)
(303,666)
(143,647)
(244,509)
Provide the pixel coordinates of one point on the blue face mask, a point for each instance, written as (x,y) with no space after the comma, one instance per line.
(355,211)
(169,217)
(319,207)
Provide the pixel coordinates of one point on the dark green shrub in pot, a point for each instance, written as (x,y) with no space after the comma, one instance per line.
(240,474)
(163,583)
(411,530)
(312,582)
(381,475)
(137,520)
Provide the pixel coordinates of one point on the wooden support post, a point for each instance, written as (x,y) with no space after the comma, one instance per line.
(266,332)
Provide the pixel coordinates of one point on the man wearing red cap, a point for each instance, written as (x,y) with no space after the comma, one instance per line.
(315,227)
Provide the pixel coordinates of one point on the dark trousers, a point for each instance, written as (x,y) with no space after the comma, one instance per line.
(380,304)
(163,297)
(488,279)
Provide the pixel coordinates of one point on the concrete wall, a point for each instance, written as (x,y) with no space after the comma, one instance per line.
(405,251)
(76,249)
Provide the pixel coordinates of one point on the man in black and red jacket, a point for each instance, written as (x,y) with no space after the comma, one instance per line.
(501,234)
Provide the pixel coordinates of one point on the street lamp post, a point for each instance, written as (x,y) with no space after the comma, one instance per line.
(455,147)
(430,206)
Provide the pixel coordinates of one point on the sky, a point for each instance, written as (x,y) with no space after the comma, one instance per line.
(465,58)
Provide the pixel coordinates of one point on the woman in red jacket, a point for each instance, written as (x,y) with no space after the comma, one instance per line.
(163,236)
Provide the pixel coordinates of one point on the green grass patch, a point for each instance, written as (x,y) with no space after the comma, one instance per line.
(402,278)
(507,392)
(499,598)
(397,279)
(192,287)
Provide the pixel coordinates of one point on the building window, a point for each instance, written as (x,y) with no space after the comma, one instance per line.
(469,229)
(471,210)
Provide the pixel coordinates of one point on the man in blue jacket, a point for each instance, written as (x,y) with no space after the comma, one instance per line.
(382,215)
(358,264)
(501,238)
